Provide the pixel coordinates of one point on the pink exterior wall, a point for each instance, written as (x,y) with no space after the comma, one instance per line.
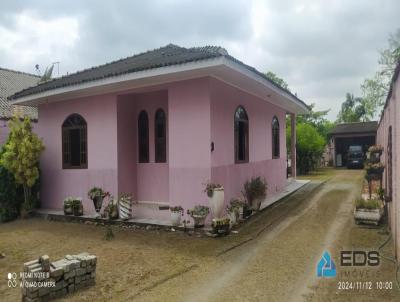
(146,181)
(198,112)
(189,141)
(100,113)
(391,117)
(224,101)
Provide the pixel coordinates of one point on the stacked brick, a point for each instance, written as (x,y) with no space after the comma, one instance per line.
(43,280)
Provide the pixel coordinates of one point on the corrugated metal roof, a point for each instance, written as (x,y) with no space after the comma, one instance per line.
(11,82)
(358,127)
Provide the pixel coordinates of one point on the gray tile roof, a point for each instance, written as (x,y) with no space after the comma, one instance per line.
(165,56)
(355,128)
(11,82)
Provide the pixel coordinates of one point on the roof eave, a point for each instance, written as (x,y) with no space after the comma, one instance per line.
(163,75)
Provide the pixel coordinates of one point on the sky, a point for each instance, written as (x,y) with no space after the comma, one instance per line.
(322,49)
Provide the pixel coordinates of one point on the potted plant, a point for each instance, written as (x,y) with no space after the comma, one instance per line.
(68,206)
(368,211)
(374,168)
(215,193)
(255,191)
(77,206)
(233,209)
(199,214)
(97,195)
(176,214)
(111,209)
(125,206)
(220,226)
(375,149)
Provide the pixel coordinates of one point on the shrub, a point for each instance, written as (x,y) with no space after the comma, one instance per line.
(210,187)
(10,197)
(199,210)
(176,209)
(369,204)
(254,188)
(20,156)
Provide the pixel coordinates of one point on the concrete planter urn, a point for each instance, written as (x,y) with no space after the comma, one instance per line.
(256,204)
(68,207)
(199,221)
(368,216)
(78,208)
(125,206)
(97,195)
(199,214)
(98,203)
(233,216)
(176,215)
(216,195)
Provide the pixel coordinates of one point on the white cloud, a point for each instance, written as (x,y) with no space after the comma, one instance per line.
(33,40)
(323,49)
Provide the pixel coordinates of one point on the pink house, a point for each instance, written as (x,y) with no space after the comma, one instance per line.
(388,136)
(159,125)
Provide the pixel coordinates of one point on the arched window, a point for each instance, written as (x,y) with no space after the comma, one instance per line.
(241,126)
(275,138)
(74,142)
(160,136)
(143,137)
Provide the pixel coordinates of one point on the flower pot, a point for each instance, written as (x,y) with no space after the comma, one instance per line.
(256,204)
(374,171)
(216,202)
(68,210)
(368,216)
(198,221)
(233,216)
(98,203)
(176,218)
(125,209)
(247,211)
(78,209)
(221,226)
(113,214)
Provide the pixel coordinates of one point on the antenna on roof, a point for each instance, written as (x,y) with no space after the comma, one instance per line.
(58,67)
(37,69)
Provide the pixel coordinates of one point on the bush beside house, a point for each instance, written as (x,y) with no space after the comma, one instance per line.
(19,170)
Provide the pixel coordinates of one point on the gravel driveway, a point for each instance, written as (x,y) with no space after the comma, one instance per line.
(280,264)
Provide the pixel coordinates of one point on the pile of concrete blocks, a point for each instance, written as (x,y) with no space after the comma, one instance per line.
(43,280)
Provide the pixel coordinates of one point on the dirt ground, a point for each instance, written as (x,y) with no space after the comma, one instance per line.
(272,258)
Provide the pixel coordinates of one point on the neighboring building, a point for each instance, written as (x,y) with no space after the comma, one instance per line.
(11,82)
(159,125)
(348,134)
(389,138)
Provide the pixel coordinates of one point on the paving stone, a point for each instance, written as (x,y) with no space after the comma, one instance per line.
(43,291)
(69,275)
(80,271)
(45,262)
(56,272)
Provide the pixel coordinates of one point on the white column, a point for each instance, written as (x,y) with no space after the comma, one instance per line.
(293,145)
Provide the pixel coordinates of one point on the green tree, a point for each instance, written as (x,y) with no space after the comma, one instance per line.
(354,109)
(318,120)
(21,156)
(310,146)
(375,89)
(277,80)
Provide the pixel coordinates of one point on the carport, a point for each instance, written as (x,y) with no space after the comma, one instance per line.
(347,134)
